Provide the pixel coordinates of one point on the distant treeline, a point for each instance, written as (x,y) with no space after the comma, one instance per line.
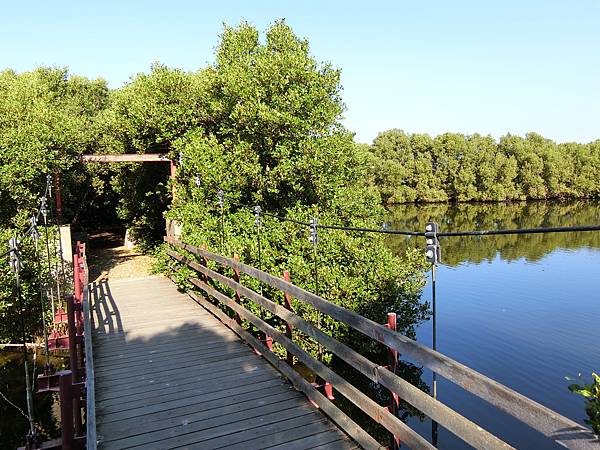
(419,168)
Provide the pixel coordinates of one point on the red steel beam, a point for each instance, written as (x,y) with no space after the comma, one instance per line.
(129,157)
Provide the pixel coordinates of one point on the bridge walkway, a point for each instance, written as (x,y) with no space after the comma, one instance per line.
(168,374)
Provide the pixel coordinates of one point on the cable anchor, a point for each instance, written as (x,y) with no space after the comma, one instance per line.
(433,250)
(314,235)
(34,232)
(15,255)
(257,213)
(44,208)
(49,184)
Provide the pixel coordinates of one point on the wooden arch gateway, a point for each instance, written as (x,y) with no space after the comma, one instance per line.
(110,158)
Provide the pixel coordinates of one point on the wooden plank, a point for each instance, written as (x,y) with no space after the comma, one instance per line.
(90,379)
(168,395)
(272,431)
(166,371)
(298,438)
(173,349)
(230,433)
(149,332)
(212,407)
(338,445)
(176,404)
(153,361)
(121,430)
(186,335)
(182,385)
(130,157)
(195,426)
(179,379)
(310,441)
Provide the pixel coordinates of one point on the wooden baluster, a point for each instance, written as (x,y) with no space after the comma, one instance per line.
(238,297)
(204,262)
(288,328)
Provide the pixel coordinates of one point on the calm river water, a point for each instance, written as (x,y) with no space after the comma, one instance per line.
(522,309)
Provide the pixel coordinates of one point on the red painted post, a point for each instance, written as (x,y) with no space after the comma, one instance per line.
(288,327)
(65,383)
(74,364)
(269,342)
(80,275)
(72,332)
(394,407)
(76,278)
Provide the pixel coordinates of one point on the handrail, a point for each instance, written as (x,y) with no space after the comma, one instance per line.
(537,416)
(90,412)
(473,434)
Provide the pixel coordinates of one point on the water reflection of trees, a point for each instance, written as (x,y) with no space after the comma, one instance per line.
(13,426)
(491,216)
(408,371)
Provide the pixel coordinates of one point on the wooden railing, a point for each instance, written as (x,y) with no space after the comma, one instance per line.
(90,395)
(76,385)
(537,416)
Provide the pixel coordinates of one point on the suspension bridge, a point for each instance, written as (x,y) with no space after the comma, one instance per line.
(153,367)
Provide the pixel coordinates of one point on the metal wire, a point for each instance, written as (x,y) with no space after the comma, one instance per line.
(372,230)
(29,395)
(49,265)
(287,219)
(58,249)
(521,231)
(42,304)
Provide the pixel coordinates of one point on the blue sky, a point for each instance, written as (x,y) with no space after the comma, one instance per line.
(435,66)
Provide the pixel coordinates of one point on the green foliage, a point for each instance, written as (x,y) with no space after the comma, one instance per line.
(277,141)
(46,121)
(10,312)
(416,168)
(591,392)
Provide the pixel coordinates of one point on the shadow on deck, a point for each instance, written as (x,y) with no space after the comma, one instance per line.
(169,375)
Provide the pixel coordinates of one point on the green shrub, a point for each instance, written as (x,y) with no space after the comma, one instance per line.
(591,392)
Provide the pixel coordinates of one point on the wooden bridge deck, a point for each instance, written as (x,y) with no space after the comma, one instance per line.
(170,375)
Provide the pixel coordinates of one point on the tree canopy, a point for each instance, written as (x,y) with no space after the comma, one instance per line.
(274,138)
(418,168)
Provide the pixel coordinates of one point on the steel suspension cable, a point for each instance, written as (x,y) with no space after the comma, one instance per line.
(42,302)
(45,215)
(521,231)
(59,247)
(16,266)
(54,244)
